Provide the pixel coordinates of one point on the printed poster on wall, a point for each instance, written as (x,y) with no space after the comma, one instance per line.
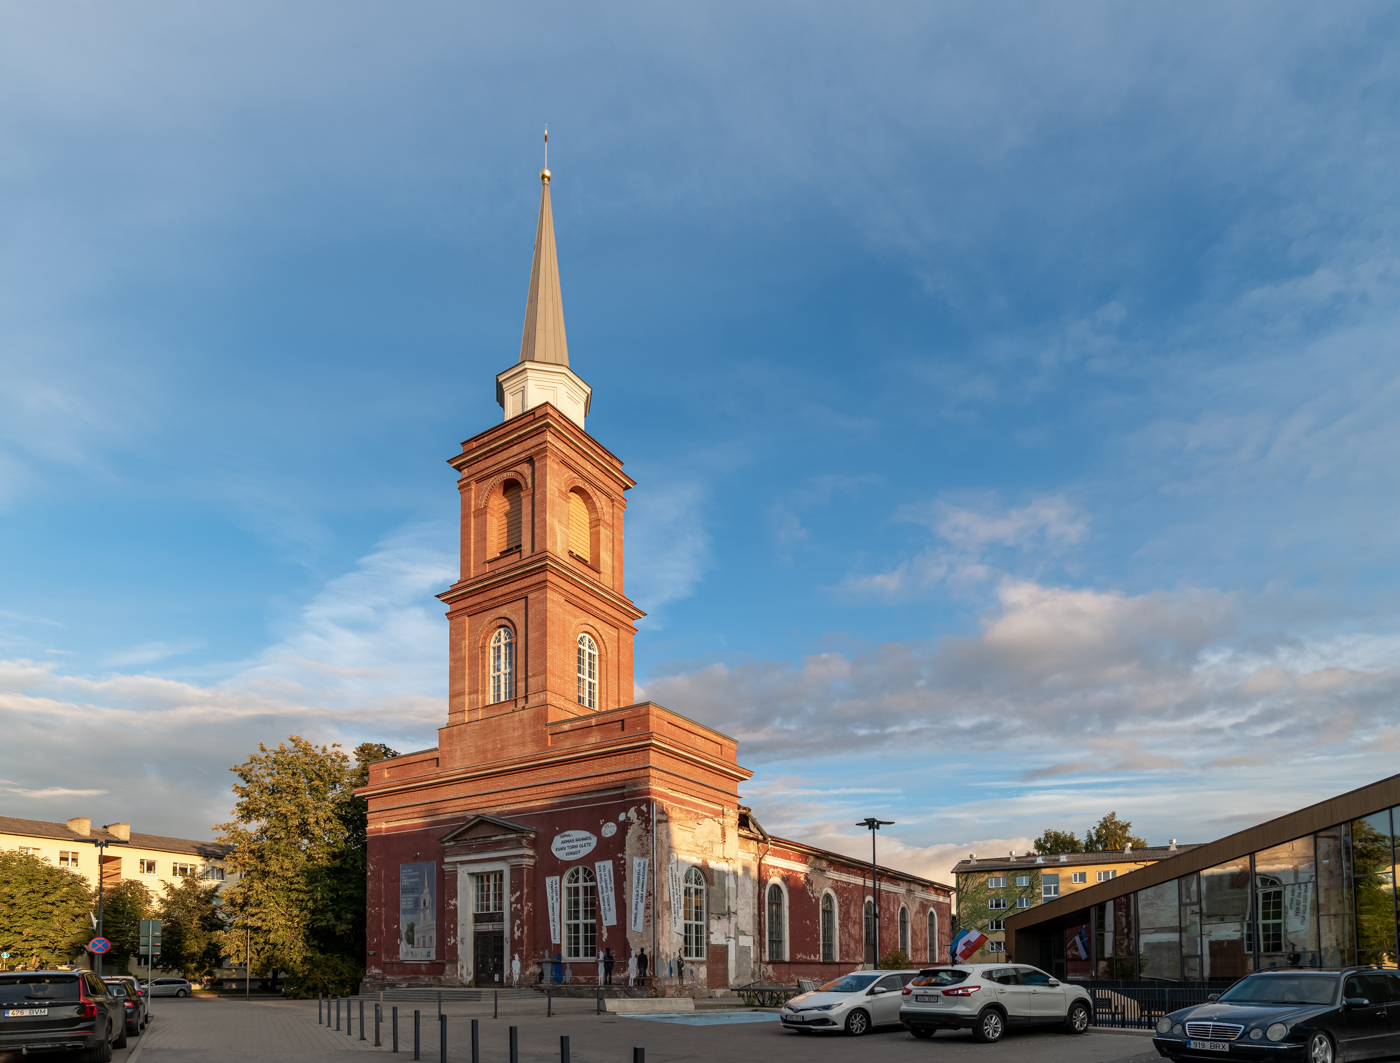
(551,892)
(1297,906)
(675,876)
(607,902)
(417,911)
(639,891)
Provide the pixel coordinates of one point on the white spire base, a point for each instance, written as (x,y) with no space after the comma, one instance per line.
(526,385)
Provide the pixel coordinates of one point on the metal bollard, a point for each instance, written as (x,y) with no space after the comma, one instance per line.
(362,1018)
(349,1019)
(442,1039)
(319,998)
(563,1050)
(549,1003)
(599,1009)
(495,1004)
(439,1002)
(476,1041)
(394,1028)
(415,1033)
(337,1015)
(639,1055)
(514,1045)
(376,1024)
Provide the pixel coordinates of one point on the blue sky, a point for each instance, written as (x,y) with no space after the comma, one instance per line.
(1013,392)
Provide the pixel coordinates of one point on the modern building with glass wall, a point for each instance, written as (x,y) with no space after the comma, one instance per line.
(1314,888)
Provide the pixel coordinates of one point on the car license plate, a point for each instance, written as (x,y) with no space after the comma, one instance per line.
(794,1018)
(1209,1046)
(20,1013)
(926,1000)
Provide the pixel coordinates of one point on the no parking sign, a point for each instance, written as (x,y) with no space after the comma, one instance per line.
(99,946)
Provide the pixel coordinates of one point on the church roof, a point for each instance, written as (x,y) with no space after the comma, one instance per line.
(543,339)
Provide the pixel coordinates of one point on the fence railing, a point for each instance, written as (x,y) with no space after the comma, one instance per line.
(1138,1005)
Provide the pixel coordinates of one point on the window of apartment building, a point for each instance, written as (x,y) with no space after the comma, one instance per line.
(996,946)
(29,850)
(1049,887)
(215,874)
(993,925)
(997,903)
(1104,876)
(1023,902)
(148,867)
(1079,876)
(1023,880)
(182,870)
(996,882)
(67,859)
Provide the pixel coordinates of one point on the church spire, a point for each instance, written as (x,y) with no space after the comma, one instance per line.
(543,339)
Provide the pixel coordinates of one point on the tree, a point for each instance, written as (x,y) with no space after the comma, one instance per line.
(895,960)
(298,846)
(192,920)
(123,907)
(44,911)
(1111,833)
(1053,842)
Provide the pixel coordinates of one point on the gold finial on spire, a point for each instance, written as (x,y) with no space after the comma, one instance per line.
(545,174)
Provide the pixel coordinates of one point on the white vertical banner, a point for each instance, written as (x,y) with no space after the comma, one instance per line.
(551,891)
(607,901)
(639,891)
(675,875)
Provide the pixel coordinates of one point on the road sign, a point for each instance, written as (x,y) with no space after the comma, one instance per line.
(4,955)
(150,937)
(99,945)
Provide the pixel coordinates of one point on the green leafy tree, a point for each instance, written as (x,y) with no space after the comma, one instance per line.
(123,907)
(44,911)
(1111,833)
(298,846)
(895,960)
(1053,842)
(192,922)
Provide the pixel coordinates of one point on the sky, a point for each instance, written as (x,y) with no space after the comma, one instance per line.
(1013,391)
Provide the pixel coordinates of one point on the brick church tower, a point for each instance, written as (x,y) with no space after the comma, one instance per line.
(556,821)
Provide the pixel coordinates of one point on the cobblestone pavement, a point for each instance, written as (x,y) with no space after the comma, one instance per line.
(199,1030)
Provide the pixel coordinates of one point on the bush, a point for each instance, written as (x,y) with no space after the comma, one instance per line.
(895,960)
(319,973)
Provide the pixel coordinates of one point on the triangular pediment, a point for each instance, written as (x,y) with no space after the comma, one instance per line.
(483,826)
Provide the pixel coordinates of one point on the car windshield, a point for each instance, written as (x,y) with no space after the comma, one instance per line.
(28,989)
(1282,989)
(948,976)
(852,983)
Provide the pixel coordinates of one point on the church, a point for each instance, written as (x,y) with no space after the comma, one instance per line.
(557,820)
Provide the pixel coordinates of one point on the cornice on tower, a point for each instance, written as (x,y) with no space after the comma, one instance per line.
(543,375)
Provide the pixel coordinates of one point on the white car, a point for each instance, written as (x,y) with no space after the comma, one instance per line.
(855,1003)
(986,998)
(170,987)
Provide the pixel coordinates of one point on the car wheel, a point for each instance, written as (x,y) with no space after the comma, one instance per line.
(858,1022)
(991,1024)
(101,1052)
(180,993)
(120,1042)
(1077,1021)
(923,1033)
(1320,1049)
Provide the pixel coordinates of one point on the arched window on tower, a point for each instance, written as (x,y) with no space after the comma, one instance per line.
(512,506)
(693,910)
(933,956)
(580,914)
(904,931)
(775,923)
(502,665)
(828,928)
(580,530)
(587,672)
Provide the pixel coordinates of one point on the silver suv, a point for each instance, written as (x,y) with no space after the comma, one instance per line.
(986,998)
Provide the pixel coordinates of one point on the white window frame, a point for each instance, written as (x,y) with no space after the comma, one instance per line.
(1023,902)
(835,943)
(214,874)
(502,665)
(694,915)
(1078,876)
(904,930)
(1049,887)
(995,925)
(587,671)
(580,886)
(1107,876)
(997,904)
(29,850)
(67,858)
(996,946)
(179,870)
(996,882)
(933,955)
(146,867)
(785,943)
(1023,880)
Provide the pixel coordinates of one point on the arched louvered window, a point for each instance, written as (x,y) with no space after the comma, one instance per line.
(512,505)
(580,914)
(828,928)
(579,530)
(587,672)
(693,912)
(775,923)
(502,665)
(904,931)
(933,956)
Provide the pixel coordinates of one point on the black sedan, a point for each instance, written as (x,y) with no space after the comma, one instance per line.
(60,1011)
(1312,1016)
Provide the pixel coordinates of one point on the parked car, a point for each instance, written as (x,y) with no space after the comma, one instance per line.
(170,987)
(60,1010)
(988,998)
(855,1003)
(126,989)
(1317,1016)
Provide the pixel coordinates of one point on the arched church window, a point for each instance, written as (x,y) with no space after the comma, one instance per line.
(512,505)
(933,956)
(502,665)
(580,914)
(579,529)
(775,923)
(693,911)
(828,928)
(587,672)
(904,931)
(870,956)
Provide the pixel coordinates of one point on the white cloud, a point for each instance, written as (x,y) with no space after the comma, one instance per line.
(668,546)
(150,652)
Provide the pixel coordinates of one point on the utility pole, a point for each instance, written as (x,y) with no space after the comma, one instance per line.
(872,824)
(101,845)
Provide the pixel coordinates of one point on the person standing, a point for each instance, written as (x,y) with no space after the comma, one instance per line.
(607,965)
(642,963)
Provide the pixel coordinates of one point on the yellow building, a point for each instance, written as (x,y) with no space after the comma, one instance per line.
(991,889)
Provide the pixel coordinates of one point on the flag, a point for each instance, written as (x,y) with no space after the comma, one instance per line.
(1078,947)
(965,944)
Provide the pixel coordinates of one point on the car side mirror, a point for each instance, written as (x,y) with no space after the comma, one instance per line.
(1356,1002)
(1212,996)
(878,989)
(1053,982)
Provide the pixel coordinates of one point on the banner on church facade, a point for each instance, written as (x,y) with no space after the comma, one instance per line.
(639,891)
(675,877)
(607,901)
(551,892)
(417,911)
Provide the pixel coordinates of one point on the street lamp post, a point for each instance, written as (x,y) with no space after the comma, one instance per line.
(872,824)
(101,844)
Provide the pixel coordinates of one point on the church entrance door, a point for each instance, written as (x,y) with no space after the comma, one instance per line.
(489,961)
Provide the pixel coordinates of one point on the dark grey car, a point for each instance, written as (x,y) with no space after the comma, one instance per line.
(67,1011)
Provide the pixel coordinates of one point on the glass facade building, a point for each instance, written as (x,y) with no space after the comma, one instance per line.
(1325,899)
